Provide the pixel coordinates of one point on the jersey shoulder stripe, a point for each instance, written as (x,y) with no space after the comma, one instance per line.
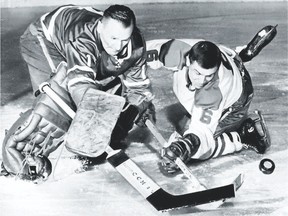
(67,22)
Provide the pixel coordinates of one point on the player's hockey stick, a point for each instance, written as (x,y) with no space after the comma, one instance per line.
(150,190)
(196,183)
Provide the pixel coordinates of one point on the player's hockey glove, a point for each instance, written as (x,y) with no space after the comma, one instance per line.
(39,131)
(184,148)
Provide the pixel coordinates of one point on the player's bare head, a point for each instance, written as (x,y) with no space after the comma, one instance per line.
(120,13)
(116,28)
(206,54)
(205,58)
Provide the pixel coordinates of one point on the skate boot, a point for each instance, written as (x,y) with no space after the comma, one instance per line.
(254,134)
(3,171)
(89,163)
(40,168)
(260,40)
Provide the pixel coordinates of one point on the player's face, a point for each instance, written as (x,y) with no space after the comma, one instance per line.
(200,76)
(114,35)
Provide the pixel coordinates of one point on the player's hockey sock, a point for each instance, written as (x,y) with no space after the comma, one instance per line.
(227,143)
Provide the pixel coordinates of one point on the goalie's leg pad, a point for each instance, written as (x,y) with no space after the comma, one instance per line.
(38,131)
(91,129)
(10,164)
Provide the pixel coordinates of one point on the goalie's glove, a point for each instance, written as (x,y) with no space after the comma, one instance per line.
(130,115)
(143,103)
(124,124)
(38,131)
(184,148)
(144,114)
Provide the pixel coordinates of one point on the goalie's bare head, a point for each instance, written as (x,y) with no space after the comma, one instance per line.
(205,59)
(116,28)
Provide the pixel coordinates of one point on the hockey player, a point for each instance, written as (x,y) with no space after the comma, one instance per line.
(215,88)
(76,48)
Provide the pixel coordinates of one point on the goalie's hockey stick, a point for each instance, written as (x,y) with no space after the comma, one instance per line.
(150,190)
(154,194)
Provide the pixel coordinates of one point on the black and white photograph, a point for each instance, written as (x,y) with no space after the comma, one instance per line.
(144,107)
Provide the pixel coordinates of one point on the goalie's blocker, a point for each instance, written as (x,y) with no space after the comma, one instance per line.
(102,119)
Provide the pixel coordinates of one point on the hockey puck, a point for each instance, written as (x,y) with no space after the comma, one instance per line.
(267,166)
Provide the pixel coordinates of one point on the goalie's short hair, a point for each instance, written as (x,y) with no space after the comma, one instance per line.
(206,53)
(121,13)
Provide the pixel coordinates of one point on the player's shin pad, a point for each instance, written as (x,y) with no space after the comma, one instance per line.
(92,126)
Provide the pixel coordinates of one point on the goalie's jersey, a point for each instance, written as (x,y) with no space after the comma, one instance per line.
(73,31)
(209,105)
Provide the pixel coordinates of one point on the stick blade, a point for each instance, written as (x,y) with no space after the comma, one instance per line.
(238,181)
(164,201)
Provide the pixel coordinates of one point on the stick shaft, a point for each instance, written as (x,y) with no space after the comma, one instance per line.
(45,88)
(178,161)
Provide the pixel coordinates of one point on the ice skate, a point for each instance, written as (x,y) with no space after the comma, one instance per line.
(3,171)
(260,40)
(254,134)
(89,163)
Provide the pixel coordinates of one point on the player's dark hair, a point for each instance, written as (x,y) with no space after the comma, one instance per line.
(121,13)
(206,53)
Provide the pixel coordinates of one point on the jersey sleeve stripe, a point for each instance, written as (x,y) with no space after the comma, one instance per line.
(93,10)
(82,68)
(77,80)
(48,31)
(136,84)
(45,30)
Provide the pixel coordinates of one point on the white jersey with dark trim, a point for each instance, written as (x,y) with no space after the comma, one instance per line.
(206,105)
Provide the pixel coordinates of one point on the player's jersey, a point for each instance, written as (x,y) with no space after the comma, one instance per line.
(73,31)
(208,105)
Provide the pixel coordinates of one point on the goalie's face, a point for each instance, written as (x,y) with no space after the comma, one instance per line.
(114,35)
(200,76)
